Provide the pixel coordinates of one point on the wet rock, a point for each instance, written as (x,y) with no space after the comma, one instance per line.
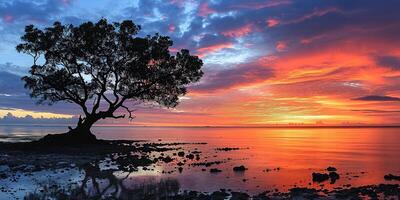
(239,168)
(190,156)
(129,163)
(215,170)
(227,149)
(167,159)
(391,177)
(269,170)
(333,176)
(3,176)
(181,154)
(371,191)
(239,196)
(319,177)
(207,164)
(307,193)
(331,169)
(261,195)
(219,195)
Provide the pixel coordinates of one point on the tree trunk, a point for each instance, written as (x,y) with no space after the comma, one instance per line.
(84,125)
(80,135)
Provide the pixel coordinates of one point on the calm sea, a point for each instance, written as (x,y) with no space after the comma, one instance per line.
(361,155)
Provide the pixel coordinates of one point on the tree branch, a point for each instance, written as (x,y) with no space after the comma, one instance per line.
(129,111)
(117,117)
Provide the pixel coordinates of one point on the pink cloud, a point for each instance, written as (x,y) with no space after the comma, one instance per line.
(173,49)
(272,22)
(204,10)
(8,18)
(267,4)
(171,28)
(316,13)
(239,32)
(203,51)
(281,46)
(179,3)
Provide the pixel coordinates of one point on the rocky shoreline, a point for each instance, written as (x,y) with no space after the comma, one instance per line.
(96,163)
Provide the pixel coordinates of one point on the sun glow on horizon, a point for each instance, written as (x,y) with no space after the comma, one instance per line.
(34,114)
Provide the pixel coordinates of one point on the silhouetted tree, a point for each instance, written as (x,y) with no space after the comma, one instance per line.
(102,66)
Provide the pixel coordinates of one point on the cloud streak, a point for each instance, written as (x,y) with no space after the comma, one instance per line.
(377,98)
(239,76)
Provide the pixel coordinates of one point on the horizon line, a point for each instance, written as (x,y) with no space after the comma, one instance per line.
(225,126)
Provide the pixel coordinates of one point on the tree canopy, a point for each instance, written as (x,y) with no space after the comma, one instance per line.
(105,63)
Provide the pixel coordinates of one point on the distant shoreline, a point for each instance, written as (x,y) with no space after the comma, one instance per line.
(266,127)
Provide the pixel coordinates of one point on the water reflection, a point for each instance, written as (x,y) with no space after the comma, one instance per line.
(362,156)
(104,184)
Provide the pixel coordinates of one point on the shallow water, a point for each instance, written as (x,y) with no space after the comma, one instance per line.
(361,155)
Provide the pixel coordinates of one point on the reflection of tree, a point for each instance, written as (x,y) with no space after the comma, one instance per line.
(103,184)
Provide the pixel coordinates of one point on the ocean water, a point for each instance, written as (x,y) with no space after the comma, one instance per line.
(276,158)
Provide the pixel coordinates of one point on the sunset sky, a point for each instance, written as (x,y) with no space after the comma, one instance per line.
(265,61)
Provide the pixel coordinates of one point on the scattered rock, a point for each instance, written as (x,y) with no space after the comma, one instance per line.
(321,177)
(227,149)
(318,177)
(181,154)
(207,164)
(3,176)
(331,169)
(333,176)
(215,170)
(275,169)
(219,195)
(167,159)
(239,196)
(391,177)
(190,156)
(306,193)
(239,168)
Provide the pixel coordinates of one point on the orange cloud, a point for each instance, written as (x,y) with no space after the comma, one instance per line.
(239,32)
(203,51)
(281,46)
(272,22)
